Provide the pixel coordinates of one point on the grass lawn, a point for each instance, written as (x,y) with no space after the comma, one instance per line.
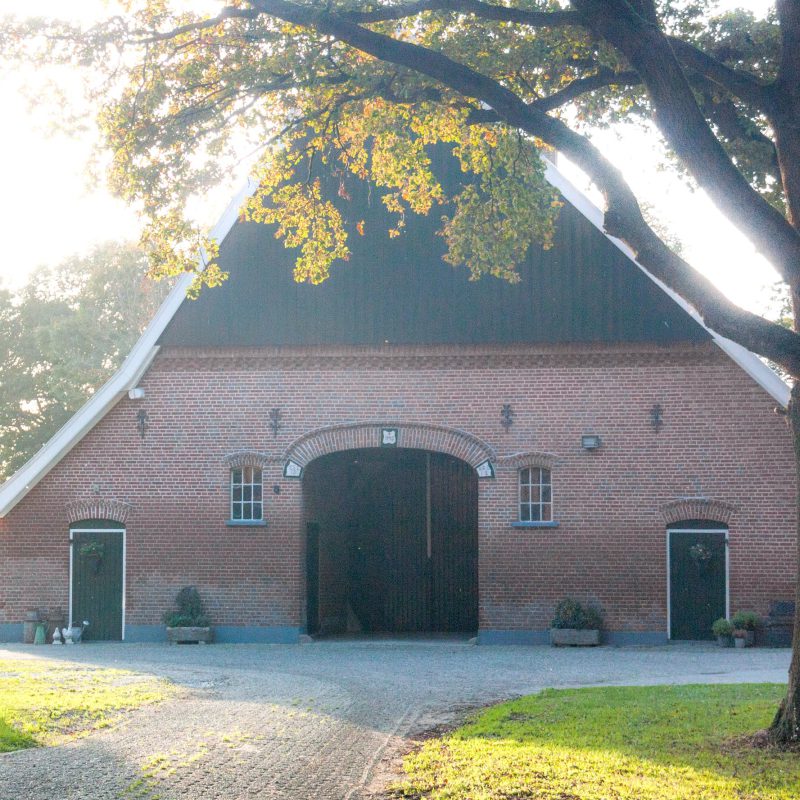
(633,743)
(49,702)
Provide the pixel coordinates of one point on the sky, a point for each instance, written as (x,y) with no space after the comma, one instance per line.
(49,209)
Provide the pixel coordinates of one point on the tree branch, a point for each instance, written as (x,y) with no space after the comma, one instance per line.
(786,117)
(730,123)
(623,217)
(743,85)
(685,128)
(789,67)
(213,22)
(538,19)
(604,77)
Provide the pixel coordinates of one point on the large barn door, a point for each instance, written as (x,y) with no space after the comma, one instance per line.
(97,585)
(697,581)
(398,541)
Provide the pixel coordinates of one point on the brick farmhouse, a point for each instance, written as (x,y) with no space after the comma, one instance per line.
(401,449)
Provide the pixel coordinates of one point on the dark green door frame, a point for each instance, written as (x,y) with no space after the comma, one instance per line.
(714,534)
(109,528)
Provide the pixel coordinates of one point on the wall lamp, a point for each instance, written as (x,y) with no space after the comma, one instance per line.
(590,441)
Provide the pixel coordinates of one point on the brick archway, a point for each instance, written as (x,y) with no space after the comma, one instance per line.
(696,508)
(98,508)
(358,435)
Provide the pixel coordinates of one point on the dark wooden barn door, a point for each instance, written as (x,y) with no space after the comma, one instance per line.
(97,582)
(388,561)
(453,586)
(404,523)
(697,581)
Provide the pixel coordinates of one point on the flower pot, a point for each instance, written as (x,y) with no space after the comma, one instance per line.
(573,637)
(749,638)
(740,643)
(725,641)
(190,635)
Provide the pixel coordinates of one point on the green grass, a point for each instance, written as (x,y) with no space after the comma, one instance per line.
(641,743)
(46,702)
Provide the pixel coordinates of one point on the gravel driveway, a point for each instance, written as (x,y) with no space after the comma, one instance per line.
(314,720)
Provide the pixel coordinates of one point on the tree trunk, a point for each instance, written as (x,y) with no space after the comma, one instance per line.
(785,728)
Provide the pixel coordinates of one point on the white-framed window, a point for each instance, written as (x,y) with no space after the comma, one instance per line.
(246,494)
(535,495)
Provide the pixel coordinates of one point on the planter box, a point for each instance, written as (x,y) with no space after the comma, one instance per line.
(725,641)
(190,635)
(572,637)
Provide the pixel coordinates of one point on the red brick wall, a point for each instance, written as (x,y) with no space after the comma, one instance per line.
(721,438)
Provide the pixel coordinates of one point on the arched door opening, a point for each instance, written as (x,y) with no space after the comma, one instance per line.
(392,542)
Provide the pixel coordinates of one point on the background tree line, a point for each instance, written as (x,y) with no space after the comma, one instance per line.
(62,335)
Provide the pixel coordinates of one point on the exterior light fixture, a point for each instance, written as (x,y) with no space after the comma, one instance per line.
(590,441)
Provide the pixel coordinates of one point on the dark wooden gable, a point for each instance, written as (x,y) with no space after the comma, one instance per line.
(399,291)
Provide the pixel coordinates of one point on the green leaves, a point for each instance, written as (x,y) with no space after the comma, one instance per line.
(187,94)
(510,205)
(187,97)
(500,205)
(62,336)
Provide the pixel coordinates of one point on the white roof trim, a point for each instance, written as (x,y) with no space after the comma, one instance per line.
(768,380)
(127,377)
(144,351)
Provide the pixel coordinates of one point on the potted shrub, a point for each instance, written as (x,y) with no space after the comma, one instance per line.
(723,630)
(188,623)
(575,625)
(747,621)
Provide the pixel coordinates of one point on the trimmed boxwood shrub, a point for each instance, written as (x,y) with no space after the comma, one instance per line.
(570,613)
(189,611)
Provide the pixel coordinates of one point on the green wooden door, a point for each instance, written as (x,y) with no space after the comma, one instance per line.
(697,580)
(97,582)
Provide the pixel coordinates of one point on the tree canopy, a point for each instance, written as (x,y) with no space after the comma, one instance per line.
(63,335)
(367,87)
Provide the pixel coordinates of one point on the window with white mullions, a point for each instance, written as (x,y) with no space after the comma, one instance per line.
(535,495)
(246,494)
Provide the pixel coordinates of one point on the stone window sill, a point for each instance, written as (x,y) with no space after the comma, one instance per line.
(552,523)
(246,523)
